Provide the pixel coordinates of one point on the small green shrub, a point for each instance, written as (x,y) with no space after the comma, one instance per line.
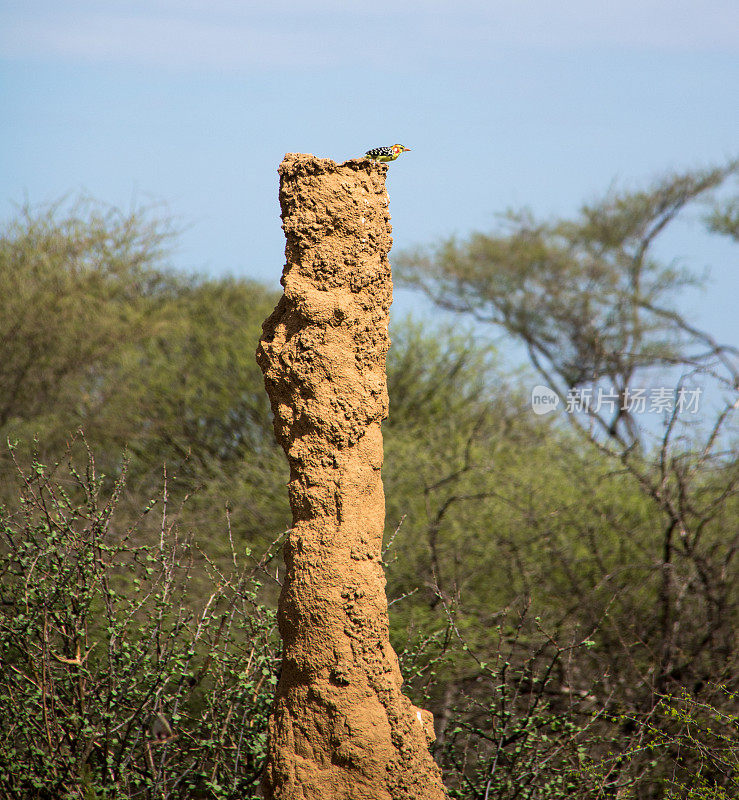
(102,630)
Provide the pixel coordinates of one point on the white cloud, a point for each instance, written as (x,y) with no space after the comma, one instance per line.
(233,34)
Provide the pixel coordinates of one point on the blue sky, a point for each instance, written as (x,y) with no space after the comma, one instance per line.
(193,103)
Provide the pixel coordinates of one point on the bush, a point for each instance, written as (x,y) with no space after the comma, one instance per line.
(127,669)
(521,726)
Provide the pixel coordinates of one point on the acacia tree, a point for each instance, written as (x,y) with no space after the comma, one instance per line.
(595,309)
(587,297)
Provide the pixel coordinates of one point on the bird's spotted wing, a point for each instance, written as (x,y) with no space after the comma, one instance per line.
(379,152)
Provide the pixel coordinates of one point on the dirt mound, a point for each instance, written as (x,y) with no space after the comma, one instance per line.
(341,728)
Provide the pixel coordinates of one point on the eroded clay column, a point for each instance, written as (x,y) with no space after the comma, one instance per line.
(341,728)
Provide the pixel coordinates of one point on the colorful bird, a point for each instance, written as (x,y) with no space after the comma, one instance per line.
(386,153)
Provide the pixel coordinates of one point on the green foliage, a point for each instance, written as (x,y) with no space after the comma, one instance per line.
(192,396)
(507,730)
(603,531)
(453,421)
(724,218)
(73,289)
(98,335)
(520,725)
(684,747)
(99,633)
(564,601)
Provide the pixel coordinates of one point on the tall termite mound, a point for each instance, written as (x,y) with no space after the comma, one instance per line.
(341,729)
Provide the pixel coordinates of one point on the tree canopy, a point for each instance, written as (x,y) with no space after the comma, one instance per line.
(587,297)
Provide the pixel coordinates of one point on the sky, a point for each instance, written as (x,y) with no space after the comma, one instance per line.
(190,105)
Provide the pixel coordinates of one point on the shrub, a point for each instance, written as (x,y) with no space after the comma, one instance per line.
(131,665)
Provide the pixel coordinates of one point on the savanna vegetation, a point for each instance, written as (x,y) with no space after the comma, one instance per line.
(563,587)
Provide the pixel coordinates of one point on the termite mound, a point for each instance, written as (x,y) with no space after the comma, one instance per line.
(341,729)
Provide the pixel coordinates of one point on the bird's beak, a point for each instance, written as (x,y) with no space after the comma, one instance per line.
(407,149)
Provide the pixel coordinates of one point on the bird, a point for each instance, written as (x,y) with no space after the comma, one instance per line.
(386,153)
